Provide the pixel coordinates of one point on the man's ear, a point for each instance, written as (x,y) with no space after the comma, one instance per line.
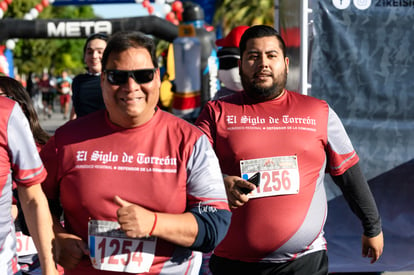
(287,64)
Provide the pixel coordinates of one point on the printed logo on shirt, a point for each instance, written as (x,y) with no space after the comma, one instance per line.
(204,207)
(285,122)
(125,162)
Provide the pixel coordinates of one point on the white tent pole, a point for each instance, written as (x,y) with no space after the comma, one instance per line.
(304,85)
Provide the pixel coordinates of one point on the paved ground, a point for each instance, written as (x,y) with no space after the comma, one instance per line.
(50,125)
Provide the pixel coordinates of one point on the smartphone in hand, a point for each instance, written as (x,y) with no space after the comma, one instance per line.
(255,179)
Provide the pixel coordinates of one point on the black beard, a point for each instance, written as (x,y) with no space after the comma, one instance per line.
(264,93)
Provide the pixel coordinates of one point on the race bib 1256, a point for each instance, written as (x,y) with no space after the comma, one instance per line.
(278,175)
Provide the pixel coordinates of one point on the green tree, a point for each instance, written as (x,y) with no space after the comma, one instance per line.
(55,55)
(232,13)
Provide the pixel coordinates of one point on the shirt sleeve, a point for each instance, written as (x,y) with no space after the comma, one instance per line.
(75,92)
(26,164)
(340,152)
(360,199)
(207,123)
(49,158)
(207,196)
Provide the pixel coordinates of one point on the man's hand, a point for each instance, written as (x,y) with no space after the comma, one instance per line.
(135,220)
(234,186)
(372,247)
(69,249)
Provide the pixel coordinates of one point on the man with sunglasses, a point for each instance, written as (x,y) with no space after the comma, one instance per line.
(142,187)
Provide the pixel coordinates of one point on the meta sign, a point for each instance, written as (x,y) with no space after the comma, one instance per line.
(78,28)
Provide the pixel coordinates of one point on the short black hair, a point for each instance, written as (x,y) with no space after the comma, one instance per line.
(259,31)
(99,35)
(124,40)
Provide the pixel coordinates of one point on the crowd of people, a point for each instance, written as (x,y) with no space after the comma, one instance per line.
(50,93)
(125,187)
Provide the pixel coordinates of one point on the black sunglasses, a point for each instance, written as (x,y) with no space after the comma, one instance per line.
(118,77)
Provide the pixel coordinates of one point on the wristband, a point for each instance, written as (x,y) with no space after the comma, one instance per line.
(153,226)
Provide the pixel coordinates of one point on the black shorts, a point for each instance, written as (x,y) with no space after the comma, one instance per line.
(312,264)
(48,98)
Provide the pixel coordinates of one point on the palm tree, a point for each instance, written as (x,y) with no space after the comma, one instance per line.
(232,13)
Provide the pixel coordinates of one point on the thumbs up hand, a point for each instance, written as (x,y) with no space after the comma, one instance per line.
(135,221)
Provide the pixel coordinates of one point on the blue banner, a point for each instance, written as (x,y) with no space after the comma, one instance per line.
(362,65)
(91,2)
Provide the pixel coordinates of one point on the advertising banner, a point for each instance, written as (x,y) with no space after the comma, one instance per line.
(362,65)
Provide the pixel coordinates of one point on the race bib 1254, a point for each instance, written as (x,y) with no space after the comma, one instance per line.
(111,250)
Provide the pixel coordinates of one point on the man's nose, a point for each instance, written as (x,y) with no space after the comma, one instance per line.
(263,61)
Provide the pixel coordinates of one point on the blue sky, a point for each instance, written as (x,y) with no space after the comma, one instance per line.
(120,10)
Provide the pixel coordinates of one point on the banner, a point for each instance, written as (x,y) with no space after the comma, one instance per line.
(362,65)
(92,2)
(79,28)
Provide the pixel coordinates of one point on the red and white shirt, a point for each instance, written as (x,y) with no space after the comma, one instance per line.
(293,140)
(19,162)
(166,165)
